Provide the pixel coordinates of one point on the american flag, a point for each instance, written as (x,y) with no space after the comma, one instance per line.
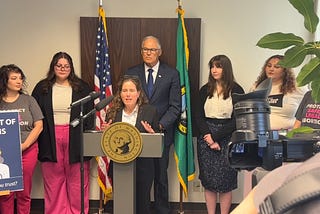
(102,83)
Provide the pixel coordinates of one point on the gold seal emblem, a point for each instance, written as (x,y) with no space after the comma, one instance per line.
(121,142)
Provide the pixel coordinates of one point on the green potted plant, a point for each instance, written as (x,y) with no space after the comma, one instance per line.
(298,49)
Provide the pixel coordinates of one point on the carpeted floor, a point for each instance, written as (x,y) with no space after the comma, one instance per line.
(187,208)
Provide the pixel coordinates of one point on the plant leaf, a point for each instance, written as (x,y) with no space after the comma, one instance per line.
(309,72)
(306,8)
(300,130)
(314,48)
(315,86)
(294,56)
(279,40)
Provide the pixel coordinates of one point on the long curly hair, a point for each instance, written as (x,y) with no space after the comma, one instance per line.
(50,79)
(117,103)
(288,81)
(5,70)
(227,79)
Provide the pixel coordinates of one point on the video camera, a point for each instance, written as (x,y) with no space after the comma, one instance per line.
(253,144)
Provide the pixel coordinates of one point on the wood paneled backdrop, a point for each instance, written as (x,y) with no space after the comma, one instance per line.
(124,39)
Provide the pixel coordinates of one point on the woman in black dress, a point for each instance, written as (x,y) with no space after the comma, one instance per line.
(216,122)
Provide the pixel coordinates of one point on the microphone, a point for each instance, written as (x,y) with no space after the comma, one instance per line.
(93,95)
(103,103)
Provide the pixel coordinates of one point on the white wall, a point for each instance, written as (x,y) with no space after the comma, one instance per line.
(32,31)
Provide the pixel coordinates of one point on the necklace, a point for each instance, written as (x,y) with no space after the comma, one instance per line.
(11,99)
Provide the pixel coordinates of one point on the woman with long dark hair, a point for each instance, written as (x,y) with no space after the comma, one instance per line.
(59,143)
(13,97)
(216,122)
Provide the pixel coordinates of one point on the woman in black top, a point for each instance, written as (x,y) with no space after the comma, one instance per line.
(130,105)
(59,142)
(216,123)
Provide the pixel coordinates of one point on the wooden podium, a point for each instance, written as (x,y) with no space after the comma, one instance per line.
(123,173)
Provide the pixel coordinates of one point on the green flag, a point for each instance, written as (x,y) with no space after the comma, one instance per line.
(183,144)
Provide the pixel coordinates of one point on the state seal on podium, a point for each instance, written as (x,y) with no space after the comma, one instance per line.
(121,142)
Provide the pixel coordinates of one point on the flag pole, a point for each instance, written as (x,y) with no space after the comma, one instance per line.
(101,195)
(180,211)
(179,4)
(100,190)
(100,202)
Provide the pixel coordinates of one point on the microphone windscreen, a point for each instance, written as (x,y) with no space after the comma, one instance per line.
(103,103)
(94,94)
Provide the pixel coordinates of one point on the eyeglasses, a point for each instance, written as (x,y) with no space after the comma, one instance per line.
(61,67)
(152,50)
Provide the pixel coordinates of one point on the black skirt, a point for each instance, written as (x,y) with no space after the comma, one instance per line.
(215,173)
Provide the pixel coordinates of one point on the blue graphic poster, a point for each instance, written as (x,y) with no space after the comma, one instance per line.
(10,152)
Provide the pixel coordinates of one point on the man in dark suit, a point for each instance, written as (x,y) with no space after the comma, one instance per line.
(162,85)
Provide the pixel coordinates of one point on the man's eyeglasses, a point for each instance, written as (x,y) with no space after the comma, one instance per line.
(61,67)
(151,50)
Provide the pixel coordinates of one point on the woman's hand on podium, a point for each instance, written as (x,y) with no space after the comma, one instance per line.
(147,127)
(104,126)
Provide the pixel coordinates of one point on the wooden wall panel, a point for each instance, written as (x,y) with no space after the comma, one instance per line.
(124,37)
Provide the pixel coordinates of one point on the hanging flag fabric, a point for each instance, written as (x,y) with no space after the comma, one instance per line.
(102,83)
(183,145)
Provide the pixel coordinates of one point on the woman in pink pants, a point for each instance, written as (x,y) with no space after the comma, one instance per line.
(59,143)
(12,82)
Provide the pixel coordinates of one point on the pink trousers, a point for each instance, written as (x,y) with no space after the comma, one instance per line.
(62,180)
(29,161)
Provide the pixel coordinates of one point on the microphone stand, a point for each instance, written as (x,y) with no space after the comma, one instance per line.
(79,121)
(75,123)
(81,158)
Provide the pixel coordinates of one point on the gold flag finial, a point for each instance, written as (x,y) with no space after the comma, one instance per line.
(179,4)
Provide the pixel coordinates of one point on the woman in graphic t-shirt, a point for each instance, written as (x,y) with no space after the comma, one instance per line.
(12,83)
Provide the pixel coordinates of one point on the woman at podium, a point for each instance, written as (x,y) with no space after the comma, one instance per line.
(130,105)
